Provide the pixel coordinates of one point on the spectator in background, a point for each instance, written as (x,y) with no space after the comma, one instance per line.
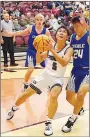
(23,21)
(46,17)
(47,24)
(3,13)
(40,6)
(17,26)
(7,46)
(17,13)
(12,16)
(86,13)
(55,10)
(50,5)
(53,23)
(28,18)
(35,5)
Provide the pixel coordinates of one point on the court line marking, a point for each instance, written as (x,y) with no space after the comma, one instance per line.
(35,124)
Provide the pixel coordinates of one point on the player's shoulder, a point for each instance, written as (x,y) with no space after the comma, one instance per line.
(67,47)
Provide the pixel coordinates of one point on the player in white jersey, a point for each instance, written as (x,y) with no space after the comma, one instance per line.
(51,78)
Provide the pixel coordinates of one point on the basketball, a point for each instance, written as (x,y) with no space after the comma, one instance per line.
(41,43)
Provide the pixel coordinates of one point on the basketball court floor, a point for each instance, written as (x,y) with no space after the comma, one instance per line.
(29,119)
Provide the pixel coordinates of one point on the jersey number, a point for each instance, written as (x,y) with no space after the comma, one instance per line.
(54,66)
(78,53)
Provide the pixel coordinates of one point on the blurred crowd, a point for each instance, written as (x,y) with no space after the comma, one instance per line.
(56,13)
(22,14)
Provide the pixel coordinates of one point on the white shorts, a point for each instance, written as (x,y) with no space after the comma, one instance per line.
(45,82)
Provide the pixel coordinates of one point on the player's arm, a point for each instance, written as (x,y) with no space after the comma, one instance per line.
(66,58)
(41,56)
(18,33)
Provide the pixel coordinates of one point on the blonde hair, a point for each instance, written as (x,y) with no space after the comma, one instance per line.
(4,15)
(39,16)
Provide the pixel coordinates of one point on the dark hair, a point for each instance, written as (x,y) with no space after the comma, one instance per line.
(75,19)
(64,27)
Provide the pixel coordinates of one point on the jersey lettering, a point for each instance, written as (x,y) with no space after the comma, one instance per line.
(78,53)
(54,66)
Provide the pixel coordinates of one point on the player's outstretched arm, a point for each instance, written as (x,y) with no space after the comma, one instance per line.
(25,32)
(65,60)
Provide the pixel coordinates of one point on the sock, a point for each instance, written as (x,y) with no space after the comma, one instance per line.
(14,107)
(26,83)
(49,120)
(74,116)
(37,64)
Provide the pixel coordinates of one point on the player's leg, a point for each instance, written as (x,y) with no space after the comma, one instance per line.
(82,89)
(71,97)
(71,93)
(28,74)
(30,63)
(80,97)
(52,108)
(21,99)
(34,87)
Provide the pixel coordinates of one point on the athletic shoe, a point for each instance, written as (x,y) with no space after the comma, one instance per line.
(10,113)
(14,64)
(48,129)
(81,112)
(68,126)
(5,65)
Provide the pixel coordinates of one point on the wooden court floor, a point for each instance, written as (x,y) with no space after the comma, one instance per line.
(29,119)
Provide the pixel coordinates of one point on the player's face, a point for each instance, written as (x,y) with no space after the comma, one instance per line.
(62,34)
(78,28)
(39,21)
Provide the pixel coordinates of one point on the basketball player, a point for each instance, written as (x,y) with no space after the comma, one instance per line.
(78,84)
(32,31)
(52,77)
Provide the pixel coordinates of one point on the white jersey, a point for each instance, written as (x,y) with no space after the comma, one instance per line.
(53,67)
(53,74)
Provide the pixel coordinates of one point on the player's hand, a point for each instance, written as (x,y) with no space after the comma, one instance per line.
(50,45)
(5,33)
(14,39)
(2,41)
